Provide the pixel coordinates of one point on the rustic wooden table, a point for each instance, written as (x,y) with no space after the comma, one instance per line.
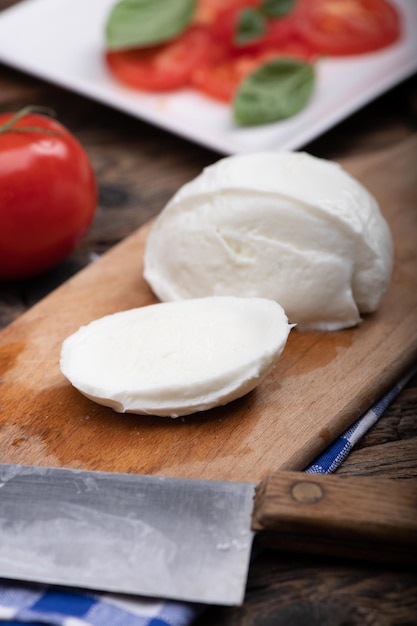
(138,168)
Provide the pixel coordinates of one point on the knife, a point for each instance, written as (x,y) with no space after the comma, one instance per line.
(188,539)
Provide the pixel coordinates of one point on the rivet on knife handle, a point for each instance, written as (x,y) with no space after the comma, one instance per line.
(356,517)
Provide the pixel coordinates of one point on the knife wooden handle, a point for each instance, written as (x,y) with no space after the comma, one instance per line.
(358,517)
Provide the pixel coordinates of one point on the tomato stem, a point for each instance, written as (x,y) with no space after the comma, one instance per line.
(9,125)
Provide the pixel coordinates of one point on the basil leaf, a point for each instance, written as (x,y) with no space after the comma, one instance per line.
(134,23)
(277,90)
(251,25)
(277,8)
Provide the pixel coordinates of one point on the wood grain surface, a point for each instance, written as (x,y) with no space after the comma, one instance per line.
(321,384)
(138,168)
(373,518)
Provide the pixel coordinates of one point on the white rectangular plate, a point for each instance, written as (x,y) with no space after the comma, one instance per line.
(62,41)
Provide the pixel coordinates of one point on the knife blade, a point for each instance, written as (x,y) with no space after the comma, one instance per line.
(188,539)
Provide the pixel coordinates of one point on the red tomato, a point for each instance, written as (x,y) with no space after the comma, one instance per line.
(224,27)
(220,78)
(208,12)
(283,34)
(207,57)
(342,27)
(163,67)
(47,195)
(230,62)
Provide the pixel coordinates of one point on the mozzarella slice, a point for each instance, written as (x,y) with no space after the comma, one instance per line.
(280,225)
(176,358)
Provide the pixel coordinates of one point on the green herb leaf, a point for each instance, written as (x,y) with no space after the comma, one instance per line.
(277,90)
(135,23)
(277,8)
(251,25)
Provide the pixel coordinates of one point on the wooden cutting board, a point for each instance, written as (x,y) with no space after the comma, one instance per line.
(321,384)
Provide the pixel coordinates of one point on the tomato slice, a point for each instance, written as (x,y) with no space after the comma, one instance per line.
(211,12)
(283,37)
(164,67)
(221,78)
(225,26)
(343,27)
(207,57)
(230,62)
(281,31)
(207,11)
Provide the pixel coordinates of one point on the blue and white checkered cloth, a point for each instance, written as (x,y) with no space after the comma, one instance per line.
(40,605)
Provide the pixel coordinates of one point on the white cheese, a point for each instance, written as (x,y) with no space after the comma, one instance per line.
(280,225)
(176,358)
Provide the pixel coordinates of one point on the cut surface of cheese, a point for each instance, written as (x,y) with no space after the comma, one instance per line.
(177,358)
(280,225)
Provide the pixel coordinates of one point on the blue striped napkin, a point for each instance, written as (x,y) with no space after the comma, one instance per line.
(40,605)
(335,454)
